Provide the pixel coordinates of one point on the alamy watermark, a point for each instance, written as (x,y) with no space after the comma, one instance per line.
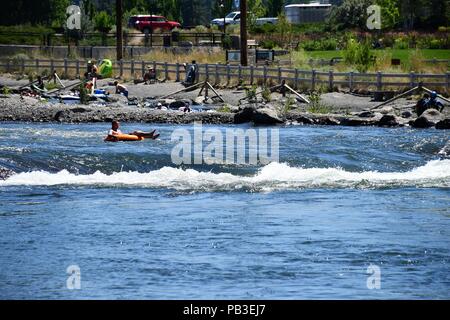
(374,17)
(74,280)
(374,280)
(74,20)
(234,146)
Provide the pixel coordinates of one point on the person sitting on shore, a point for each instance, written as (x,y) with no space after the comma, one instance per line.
(40,86)
(149,76)
(115,131)
(421,105)
(92,71)
(121,89)
(428,102)
(434,103)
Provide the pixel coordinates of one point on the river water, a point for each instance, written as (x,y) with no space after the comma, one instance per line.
(343,209)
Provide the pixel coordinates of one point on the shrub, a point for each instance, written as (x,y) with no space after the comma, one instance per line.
(6,90)
(415,62)
(350,52)
(267,44)
(225,108)
(250,94)
(401,43)
(321,45)
(300,59)
(285,108)
(103,22)
(358,54)
(315,106)
(226,42)
(436,44)
(264,28)
(201,29)
(266,94)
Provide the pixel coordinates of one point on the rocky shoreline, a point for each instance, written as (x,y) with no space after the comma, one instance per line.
(342,108)
(28,109)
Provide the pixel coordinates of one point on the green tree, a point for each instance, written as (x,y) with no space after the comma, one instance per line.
(256,10)
(57,17)
(412,11)
(274,7)
(390,13)
(88,8)
(103,22)
(351,14)
(218,12)
(284,28)
(439,13)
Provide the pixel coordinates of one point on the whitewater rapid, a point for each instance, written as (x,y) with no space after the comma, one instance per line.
(274,176)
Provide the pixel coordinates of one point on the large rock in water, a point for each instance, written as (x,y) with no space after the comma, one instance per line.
(5,173)
(244,115)
(389,120)
(266,116)
(444,124)
(428,119)
(257,116)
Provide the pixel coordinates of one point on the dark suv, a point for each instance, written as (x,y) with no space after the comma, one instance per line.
(149,23)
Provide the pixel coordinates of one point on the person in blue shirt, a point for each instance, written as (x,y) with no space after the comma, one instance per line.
(428,101)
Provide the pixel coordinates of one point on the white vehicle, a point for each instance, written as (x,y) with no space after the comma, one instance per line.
(235,18)
(231,18)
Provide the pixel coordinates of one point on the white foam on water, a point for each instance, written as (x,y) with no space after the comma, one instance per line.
(274,176)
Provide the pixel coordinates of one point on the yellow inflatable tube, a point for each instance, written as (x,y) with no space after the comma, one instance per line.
(124,137)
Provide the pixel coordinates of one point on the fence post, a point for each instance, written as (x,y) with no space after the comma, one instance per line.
(217,74)
(8,66)
(448,81)
(251,74)
(265,74)
(206,72)
(77,66)
(296,78)
(313,80)
(228,73)
(52,65)
(239,73)
(279,74)
(65,67)
(37,66)
(331,80)
(166,71)
(121,67)
(23,66)
(350,81)
(379,81)
(143,68)
(411,79)
(178,72)
(132,68)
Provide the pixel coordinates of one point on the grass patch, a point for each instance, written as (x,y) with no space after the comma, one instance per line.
(402,54)
(225,108)
(411,60)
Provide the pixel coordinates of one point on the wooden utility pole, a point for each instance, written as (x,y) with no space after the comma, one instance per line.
(119,33)
(243,8)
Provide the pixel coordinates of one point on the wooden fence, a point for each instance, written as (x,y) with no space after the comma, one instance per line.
(100,39)
(233,74)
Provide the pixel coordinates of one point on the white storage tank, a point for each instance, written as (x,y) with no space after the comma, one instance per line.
(307,13)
